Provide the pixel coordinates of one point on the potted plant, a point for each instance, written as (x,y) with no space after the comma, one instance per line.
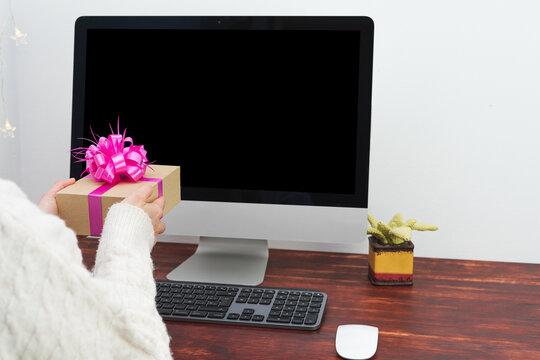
(391,250)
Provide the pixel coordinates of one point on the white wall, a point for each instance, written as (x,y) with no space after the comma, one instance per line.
(456,110)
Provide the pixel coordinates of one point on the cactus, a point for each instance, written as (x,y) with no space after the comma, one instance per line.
(396,231)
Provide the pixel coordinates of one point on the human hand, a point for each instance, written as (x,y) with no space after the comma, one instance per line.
(47,203)
(154,209)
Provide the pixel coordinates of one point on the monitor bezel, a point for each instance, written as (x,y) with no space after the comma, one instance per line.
(355,23)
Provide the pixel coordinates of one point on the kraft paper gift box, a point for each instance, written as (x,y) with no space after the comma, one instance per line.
(84,205)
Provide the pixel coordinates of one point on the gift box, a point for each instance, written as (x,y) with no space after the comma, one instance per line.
(84,205)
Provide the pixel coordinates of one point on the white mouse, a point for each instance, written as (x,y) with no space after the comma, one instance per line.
(356,342)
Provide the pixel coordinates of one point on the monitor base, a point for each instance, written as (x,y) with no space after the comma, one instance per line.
(225,261)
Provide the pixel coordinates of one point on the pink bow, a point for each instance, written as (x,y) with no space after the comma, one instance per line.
(109,160)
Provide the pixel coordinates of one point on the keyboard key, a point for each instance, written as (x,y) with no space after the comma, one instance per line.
(310,319)
(225,301)
(248,311)
(198,314)
(257,318)
(180,313)
(214,308)
(279,319)
(245,317)
(216,315)
(165,311)
(233,316)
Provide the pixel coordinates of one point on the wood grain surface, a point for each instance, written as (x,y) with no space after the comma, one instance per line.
(456,309)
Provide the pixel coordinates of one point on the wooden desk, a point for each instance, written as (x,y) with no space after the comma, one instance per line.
(455,309)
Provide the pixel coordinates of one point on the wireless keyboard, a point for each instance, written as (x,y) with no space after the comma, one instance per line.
(285,308)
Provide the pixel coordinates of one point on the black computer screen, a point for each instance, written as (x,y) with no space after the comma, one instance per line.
(256,114)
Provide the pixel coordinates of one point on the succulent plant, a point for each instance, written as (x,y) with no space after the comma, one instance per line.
(396,231)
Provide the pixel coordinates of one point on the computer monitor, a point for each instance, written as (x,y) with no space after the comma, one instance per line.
(268,117)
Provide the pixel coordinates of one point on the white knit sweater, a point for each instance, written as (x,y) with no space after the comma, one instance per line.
(52,307)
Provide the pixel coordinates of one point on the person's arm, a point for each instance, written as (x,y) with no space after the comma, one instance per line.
(129,233)
(124,268)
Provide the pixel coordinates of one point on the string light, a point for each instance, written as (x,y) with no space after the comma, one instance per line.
(19,36)
(8,131)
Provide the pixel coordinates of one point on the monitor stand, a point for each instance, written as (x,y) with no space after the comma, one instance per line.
(225,261)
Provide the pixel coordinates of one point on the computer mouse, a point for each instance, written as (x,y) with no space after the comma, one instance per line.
(356,342)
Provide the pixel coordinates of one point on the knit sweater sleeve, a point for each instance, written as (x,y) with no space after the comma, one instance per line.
(124,267)
(123,255)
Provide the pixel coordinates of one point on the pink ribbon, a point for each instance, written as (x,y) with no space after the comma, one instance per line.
(94,204)
(109,159)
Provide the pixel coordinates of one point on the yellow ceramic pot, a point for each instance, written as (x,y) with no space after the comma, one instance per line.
(390,264)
